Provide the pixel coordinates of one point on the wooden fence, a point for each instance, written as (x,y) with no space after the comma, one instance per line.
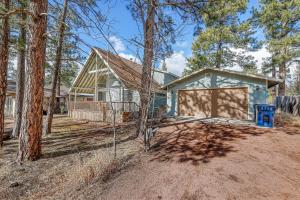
(101,105)
(288,104)
(102,111)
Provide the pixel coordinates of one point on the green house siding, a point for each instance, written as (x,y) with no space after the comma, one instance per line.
(257,88)
(162,78)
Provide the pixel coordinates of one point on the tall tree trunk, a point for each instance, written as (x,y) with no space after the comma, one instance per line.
(57,103)
(219,56)
(3,67)
(56,69)
(146,71)
(274,76)
(20,82)
(219,48)
(282,75)
(58,84)
(32,119)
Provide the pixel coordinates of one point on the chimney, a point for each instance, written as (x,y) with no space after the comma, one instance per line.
(164,66)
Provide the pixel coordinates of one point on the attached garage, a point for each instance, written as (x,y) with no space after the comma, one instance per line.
(213,92)
(215,102)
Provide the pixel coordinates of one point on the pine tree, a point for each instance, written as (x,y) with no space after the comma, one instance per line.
(4,53)
(280,22)
(71,51)
(148,23)
(30,144)
(20,74)
(297,80)
(159,33)
(222,33)
(56,69)
(293,88)
(67,53)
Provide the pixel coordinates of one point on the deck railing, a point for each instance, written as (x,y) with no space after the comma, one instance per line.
(101,106)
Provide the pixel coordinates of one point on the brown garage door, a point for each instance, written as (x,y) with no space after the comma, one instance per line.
(219,102)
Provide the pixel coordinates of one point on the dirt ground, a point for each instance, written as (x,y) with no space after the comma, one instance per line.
(71,144)
(205,161)
(188,160)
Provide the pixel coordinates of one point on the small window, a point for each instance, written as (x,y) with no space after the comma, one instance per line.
(160,95)
(101,96)
(127,95)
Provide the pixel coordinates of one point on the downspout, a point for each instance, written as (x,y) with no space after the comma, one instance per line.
(96,80)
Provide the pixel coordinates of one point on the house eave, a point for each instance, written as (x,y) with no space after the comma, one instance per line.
(271,81)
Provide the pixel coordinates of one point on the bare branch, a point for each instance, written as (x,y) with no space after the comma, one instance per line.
(15,12)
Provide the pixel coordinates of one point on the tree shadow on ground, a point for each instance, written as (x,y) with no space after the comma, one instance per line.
(79,139)
(84,145)
(200,142)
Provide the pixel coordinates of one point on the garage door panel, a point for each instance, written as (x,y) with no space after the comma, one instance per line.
(221,102)
(231,103)
(193,103)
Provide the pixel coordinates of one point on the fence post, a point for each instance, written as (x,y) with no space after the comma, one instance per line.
(75,99)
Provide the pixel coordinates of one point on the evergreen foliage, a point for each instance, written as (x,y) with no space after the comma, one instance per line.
(280,22)
(223,37)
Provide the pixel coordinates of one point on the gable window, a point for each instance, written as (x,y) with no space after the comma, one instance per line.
(102,85)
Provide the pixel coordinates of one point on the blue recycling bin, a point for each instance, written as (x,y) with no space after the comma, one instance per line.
(264,115)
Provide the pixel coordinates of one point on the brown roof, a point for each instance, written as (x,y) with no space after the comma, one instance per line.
(129,72)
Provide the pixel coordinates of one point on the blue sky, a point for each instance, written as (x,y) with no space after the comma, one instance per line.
(124,27)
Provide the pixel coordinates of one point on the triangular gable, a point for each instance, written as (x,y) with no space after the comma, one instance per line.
(126,71)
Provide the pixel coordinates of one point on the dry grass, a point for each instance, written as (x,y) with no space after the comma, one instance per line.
(287,120)
(75,156)
(100,167)
(97,169)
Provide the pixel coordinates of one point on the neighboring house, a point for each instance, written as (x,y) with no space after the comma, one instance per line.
(9,108)
(61,100)
(213,92)
(10,101)
(111,78)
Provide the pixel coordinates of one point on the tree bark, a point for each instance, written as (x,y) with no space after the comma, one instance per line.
(219,56)
(282,75)
(56,69)
(219,48)
(57,103)
(32,119)
(274,76)
(20,82)
(58,84)
(4,41)
(146,71)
